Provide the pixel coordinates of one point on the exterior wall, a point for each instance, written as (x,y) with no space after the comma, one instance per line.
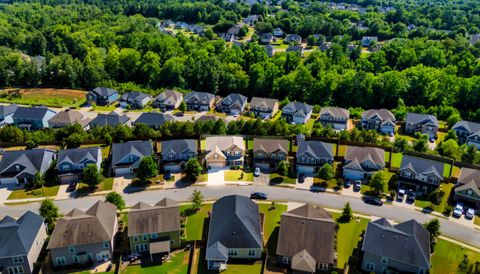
(379,267)
(387,129)
(472,199)
(37,245)
(7,263)
(173,236)
(281,261)
(353,174)
(93,249)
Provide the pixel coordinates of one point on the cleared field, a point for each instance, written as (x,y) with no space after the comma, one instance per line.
(44,96)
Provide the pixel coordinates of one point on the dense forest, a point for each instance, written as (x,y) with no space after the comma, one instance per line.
(118,44)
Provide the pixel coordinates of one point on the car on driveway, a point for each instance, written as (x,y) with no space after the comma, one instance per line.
(411,196)
(167,175)
(72,186)
(301,178)
(256,172)
(470,213)
(458,210)
(357,186)
(401,195)
(347,184)
(179,114)
(258,196)
(372,200)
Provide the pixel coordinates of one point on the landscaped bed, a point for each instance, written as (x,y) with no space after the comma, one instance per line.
(276,178)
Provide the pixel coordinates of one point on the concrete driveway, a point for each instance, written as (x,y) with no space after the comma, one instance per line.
(62,192)
(121,183)
(306,185)
(216,177)
(4,193)
(262,180)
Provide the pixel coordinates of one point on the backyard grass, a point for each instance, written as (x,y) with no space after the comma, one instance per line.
(194,223)
(342,150)
(178,264)
(105,149)
(250,144)
(276,178)
(272,223)
(44,96)
(423,202)
(203,144)
(448,256)
(200,266)
(441,137)
(238,175)
(310,124)
(276,116)
(456,172)
(446,170)
(49,191)
(396,159)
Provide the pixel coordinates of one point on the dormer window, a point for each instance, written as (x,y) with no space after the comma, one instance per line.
(17,167)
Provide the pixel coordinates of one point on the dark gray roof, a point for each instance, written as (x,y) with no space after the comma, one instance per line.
(31,112)
(6,110)
(18,236)
(33,160)
(233,98)
(422,166)
(257,102)
(361,154)
(316,149)
(335,112)
(294,48)
(383,113)
(159,218)
(299,107)
(135,96)
(235,223)
(469,176)
(179,146)
(139,148)
(76,155)
(110,119)
(201,96)
(103,91)
(169,94)
(407,242)
(419,118)
(471,127)
(153,118)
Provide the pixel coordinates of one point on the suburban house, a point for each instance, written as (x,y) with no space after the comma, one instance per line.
(468,132)
(264,108)
(84,237)
(71,162)
(175,153)
(127,156)
(401,248)
(296,112)
(306,240)
(102,96)
(112,119)
(68,117)
(6,114)
(168,100)
(336,118)
(368,41)
(20,166)
(234,103)
(278,32)
(222,151)
(362,162)
(21,242)
(381,120)
(153,119)
(423,123)
(467,189)
(293,38)
(32,118)
(295,48)
(266,38)
(200,101)
(267,153)
(419,174)
(235,232)
(154,228)
(312,155)
(135,100)
(251,19)
(271,50)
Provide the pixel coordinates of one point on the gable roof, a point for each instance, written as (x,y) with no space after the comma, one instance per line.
(6,110)
(103,91)
(257,102)
(335,112)
(139,148)
(299,107)
(469,179)
(159,218)
(34,113)
(422,166)
(303,261)
(224,142)
(110,119)
(178,146)
(383,114)
(419,118)
(270,145)
(235,98)
(235,223)
(95,225)
(316,148)
(34,160)
(69,116)
(76,155)
(407,242)
(169,95)
(17,236)
(471,127)
(135,95)
(153,118)
(199,96)
(361,154)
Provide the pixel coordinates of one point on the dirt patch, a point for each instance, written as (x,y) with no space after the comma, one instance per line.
(43,96)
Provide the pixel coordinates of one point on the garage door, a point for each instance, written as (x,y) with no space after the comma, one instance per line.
(263,166)
(353,174)
(66,179)
(307,170)
(172,168)
(123,171)
(8,181)
(216,165)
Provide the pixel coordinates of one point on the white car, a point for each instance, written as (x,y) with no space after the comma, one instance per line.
(470,213)
(256,172)
(458,211)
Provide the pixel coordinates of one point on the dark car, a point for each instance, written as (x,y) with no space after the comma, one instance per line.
(72,186)
(258,196)
(179,114)
(372,201)
(411,196)
(347,184)
(357,186)
(167,175)
(301,178)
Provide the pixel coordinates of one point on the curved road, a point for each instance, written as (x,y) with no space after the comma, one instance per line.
(450,229)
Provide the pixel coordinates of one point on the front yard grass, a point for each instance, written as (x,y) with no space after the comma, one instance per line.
(178,264)
(111,107)
(276,178)
(84,189)
(238,175)
(202,178)
(49,191)
(423,202)
(448,256)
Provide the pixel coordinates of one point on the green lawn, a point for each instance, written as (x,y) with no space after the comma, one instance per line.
(423,202)
(104,108)
(396,159)
(49,191)
(250,144)
(310,124)
(84,189)
(178,264)
(448,256)
(446,170)
(105,149)
(202,178)
(456,171)
(276,178)
(238,175)
(194,223)
(342,150)
(276,116)
(272,221)
(203,144)
(106,184)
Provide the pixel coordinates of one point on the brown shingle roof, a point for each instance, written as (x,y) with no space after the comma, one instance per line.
(147,219)
(270,145)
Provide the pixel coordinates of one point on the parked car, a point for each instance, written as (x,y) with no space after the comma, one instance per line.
(72,186)
(301,178)
(258,196)
(317,189)
(167,175)
(372,200)
(347,184)
(179,114)
(401,195)
(432,140)
(411,196)
(256,172)
(458,210)
(470,213)
(357,185)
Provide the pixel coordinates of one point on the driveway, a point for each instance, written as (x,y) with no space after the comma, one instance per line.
(121,183)
(4,193)
(62,193)
(306,185)
(262,180)
(216,177)
(350,192)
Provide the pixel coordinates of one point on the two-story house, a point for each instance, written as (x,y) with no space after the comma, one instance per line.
(363,162)
(153,119)
(423,123)
(297,113)
(32,118)
(84,237)
(112,119)
(264,108)
(102,96)
(235,232)
(126,156)
(293,38)
(306,240)
(368,41)
(71,162)
(223,151)
(154,229)
(6,114)
(468,132)
(69,117)
(199,101)
(334,117)
(266,38)
(175,153)
(267,153)
(312,155)
(234,103)
(400,248)
(467,189)
(381,120)
(21,242)
(168,100)
(20,166)
(135,100)
(419,174)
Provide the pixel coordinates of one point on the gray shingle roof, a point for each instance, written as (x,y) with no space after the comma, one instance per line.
(31,112)
(235,223)
(258,102)
(201,96)
(407,242)
(76,155)
(159,218)
(6,110)
(33,161)
(179,146)
(299,107)
(469,177)
(103,91)
(18,236)
(422,166)
(316,149)
(153,118)
(335,112)
(471,127)
(383,113)
(419,118)
(139,148)
(235,98)
(134,96)
(110,119)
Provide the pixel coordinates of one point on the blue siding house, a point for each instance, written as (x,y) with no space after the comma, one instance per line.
(102,96)
(71,162)
(32,118)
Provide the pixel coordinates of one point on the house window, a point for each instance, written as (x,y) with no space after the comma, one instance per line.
(131,158)
(260,155)
(286,260)
(71,249)
(172,242)
(89,257)
(145,237)
(232,252)
(17,260)
(61,261)
(106,244)
(469,192)
(369,266)
(153,236)
(75,259)
(322,266)
(384,260)
(15,270)
(252,253)
(17,168)
(135,238)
